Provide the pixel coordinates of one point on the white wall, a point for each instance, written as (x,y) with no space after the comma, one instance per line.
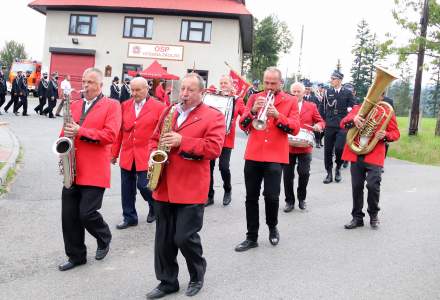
(225,43)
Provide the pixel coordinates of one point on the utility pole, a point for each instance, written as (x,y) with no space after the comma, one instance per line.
(415,108)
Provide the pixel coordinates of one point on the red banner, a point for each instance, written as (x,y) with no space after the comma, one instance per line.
(240,85)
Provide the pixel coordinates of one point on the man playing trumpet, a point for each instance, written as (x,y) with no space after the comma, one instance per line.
(266,150)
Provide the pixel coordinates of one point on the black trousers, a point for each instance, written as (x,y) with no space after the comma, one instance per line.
(372,174)
(13,101)
(22,102)
(254,173)
(41,105)
(79,211)
(50,107)
(303,169)
(177,227)
(334,141)
(225,172)
(2,99)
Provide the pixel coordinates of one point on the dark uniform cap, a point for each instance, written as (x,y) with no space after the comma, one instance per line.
(337,75)
(349,87)
(255,82)
(116,78)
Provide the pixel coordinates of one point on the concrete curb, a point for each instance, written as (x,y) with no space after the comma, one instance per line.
(12,158)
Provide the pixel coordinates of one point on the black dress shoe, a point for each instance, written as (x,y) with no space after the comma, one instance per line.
(274,236)
(25,115)
(246,245)
(289,207)
(157,293)
(345,164)
(125,225)
(69,265)
(151,216)
(15,113)
(227,198)
(193,288)
(374,222)
(101,253)
(210,201)
(354,223)
(302,204)
(338,177)
(318,146)
(329,178)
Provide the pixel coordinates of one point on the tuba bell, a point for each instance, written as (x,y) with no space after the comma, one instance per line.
(377,115)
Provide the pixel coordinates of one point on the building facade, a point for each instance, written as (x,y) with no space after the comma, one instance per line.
(119,36)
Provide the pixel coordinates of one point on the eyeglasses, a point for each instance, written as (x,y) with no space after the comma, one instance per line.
(333,78)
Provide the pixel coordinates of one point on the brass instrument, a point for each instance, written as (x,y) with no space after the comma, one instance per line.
(376,113)
(64,147)
(260,122)
(160,156)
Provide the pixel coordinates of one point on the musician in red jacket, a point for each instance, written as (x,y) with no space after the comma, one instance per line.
(95,125)
(197,136)
(139,119)
(367,168)
(266,151)
(227,89)
(310,119)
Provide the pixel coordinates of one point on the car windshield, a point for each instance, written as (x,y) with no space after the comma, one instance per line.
(23,67)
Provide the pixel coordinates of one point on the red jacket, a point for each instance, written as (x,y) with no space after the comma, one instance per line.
(135,133)
(239,109)
(162,95)
(94,139)
(377,155)
(310,116)
(271,145)
(185,178)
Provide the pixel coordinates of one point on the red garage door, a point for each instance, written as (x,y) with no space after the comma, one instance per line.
(73,65)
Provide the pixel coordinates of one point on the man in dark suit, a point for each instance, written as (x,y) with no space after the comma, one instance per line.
(42,93)
(14,93)
(23,93)
(114,89)
(52,95)
(125,91)
(3,89)
(336,105)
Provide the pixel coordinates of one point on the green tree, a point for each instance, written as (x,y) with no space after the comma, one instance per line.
(271,38)
(12,50)
(402,91)
(431,103)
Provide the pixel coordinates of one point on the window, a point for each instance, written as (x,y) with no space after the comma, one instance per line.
(129,67)
(202,73)
(82,25)
(141,28)
(196,31)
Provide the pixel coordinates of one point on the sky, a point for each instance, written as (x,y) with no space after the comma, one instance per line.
(329,30)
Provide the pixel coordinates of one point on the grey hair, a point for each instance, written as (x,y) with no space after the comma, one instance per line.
(198,77)
(97,71)
(274,70)
(302,86)
(140,80)
(227,77)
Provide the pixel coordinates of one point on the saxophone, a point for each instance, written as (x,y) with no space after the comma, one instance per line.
(65,149)
(160,156)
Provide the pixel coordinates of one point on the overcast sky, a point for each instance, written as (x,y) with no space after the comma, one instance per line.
(329,29)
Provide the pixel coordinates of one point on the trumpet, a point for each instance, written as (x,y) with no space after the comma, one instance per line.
(260,122)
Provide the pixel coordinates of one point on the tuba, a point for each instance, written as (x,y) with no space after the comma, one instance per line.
(377,115)
(65,149)
(260,122)
(160,156)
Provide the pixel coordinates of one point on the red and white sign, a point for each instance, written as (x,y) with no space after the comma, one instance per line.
(155,51)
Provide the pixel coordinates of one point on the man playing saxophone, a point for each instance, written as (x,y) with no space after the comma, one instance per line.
(94,128)
(196,137)
(267,149)
(367,167)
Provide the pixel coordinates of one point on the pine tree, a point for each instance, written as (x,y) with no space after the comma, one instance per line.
(402,91)
(361,70)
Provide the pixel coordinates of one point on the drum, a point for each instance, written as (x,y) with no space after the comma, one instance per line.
(304,138)
(225,104)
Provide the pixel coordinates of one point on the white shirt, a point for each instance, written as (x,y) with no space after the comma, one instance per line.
(89,103)
(138,107)
(66,87)
(300,105)
(183,115)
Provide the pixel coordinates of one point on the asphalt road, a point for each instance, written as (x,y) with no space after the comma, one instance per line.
(316,257)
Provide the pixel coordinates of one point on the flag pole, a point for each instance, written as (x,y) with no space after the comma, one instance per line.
(237,73)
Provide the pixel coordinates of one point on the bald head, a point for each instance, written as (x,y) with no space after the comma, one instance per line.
(139,88)
(298,89)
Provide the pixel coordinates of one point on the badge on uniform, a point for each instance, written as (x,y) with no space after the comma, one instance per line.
(335,112)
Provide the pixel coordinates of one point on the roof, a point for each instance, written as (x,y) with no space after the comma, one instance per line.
(235,9)
(155,71)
